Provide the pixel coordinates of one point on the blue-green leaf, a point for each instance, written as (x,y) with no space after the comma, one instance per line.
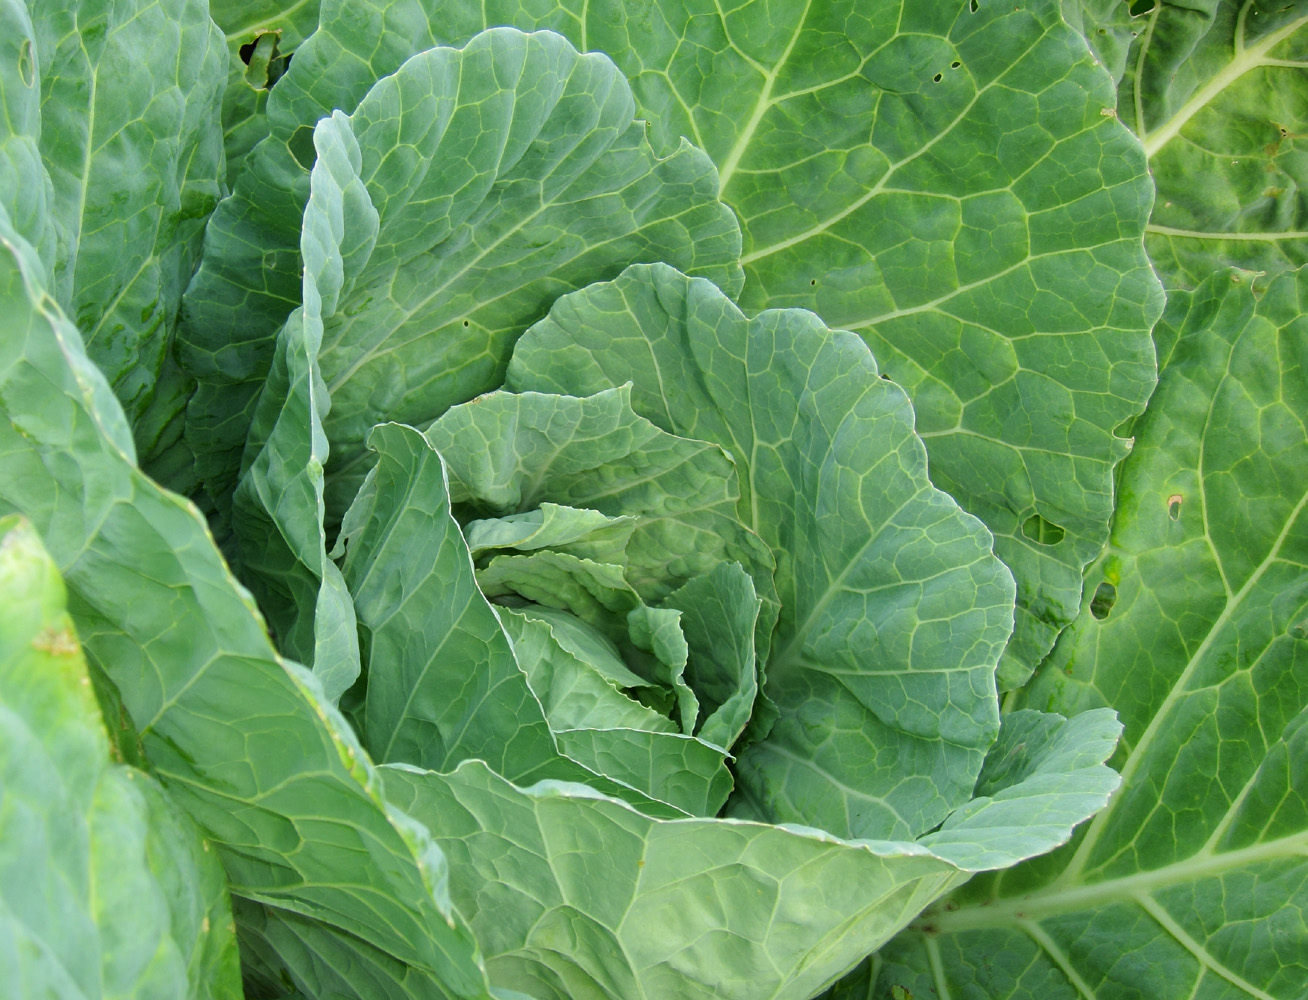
(106,889)
(1194,880)
(242,740)
(894,610)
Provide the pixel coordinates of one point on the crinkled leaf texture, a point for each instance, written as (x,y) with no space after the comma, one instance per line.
(443,682)
(940,177)
(894,611)
(1214,89)
(1194,881)
(499,176)
(574,891)
(106,888)
(601,901)
(243,741)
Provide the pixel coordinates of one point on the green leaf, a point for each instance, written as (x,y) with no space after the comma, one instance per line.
(25,189)
(578,688)
(894,609)
(1194,880)
(551,525)
(718,615)
(941,179)
(243,741)
(609,732)
(948,180)
(509,453)
(443,683)
(526,176)
(262,35)
(130,98)
(105,887)
(605,902)
(1213,89)
(650,639)
(1041,777)
(278,511)
(1109,28)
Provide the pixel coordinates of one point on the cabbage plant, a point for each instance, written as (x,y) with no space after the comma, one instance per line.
(630,502)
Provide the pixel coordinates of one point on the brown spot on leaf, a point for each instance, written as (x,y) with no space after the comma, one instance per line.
(57,641)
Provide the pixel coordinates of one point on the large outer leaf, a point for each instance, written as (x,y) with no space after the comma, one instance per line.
(105,887)
(955,195)
(1194,881)
(130,98)
(894,610)
(1215,89)
(525,177)
(602,902)
(241,740)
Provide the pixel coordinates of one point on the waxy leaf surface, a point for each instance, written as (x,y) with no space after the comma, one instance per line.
(243,741)
(106,889)
(1194,881)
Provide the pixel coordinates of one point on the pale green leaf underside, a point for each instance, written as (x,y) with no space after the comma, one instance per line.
(1194,629)
(1215,90)
(105,887)
(244,742)
(605,902)
(894,610)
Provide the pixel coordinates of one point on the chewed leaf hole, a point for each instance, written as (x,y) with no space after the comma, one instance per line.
(301,147)
(938,77)
(1101,605)
(266,63)
(1174,506)
(25,67)
(955,64)
(1042,532)
(974,6)
(1139,7)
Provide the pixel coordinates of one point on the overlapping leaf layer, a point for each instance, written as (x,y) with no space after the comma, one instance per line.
(653,446)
